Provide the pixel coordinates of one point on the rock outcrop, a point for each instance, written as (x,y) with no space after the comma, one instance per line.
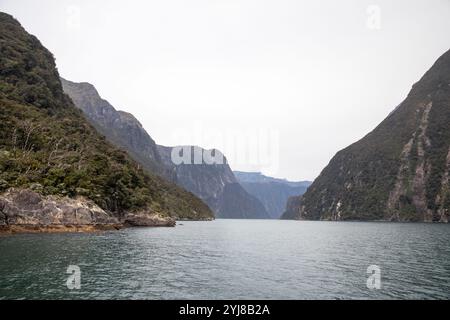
(397,172)
(26,210)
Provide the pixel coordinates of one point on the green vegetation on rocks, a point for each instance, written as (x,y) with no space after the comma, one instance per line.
(47,145)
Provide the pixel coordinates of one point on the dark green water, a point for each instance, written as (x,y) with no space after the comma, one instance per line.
(232,259)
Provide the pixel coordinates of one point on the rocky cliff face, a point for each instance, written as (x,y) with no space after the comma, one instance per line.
(235,203)
(213,183)
(399,171)
(26,210)
(292,209)
(46,141)
(273,193)
(119,127)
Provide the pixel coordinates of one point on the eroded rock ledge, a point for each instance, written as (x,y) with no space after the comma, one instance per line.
(23,210)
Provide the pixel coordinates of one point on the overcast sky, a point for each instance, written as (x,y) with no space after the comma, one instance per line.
(296,80)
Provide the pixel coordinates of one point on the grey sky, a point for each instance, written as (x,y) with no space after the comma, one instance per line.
(321,74)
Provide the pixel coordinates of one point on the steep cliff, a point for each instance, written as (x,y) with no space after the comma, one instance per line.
(400,170)
(214,183)
(292,209)
(119,127)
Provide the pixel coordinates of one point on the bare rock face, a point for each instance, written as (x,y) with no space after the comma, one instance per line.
(26,210)
(293,207)
(121,128)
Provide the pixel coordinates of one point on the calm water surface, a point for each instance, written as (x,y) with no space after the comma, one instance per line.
(232,259)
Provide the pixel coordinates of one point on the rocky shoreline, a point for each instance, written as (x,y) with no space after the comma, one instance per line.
(27,211)
(58,228)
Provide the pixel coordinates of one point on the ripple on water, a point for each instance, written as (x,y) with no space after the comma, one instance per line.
(232,259)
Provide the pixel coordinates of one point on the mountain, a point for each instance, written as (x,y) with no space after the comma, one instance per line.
(272,192)
(47,145)
(213,183)
(210,182)
(119,127)
(258,177)
(400,170)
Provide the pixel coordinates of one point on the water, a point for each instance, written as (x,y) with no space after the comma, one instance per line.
(232,259)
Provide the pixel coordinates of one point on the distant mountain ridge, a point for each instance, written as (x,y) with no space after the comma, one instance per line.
(400,170)
(272,192)
(259,177)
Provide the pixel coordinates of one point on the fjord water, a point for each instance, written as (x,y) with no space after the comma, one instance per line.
(232,259)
